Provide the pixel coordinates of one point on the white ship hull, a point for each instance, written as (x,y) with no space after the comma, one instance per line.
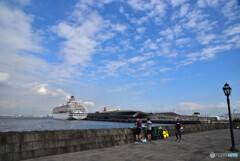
(70,116)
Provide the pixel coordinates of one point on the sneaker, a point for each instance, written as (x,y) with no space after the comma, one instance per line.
(177,139)
(136,142)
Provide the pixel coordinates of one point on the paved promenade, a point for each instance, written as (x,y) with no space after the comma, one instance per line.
(197,146)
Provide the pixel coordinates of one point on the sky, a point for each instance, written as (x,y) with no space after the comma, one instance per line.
(147,55)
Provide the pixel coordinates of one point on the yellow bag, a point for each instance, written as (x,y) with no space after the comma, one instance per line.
(165,134)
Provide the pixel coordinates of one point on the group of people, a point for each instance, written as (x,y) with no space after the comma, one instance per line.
(178,127)
(139,129)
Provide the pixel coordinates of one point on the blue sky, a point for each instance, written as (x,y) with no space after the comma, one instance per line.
(148,55)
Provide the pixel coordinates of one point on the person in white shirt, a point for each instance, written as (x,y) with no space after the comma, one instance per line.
(149,129)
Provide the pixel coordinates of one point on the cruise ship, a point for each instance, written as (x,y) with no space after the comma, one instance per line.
(70,111)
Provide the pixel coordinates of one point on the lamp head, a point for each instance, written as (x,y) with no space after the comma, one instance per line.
(227,90)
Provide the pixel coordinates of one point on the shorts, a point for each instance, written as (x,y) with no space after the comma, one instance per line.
(149,131)
(138,131)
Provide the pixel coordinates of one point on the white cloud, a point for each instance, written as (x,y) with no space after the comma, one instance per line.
(137,37)
(206,3)
(119,27)
(236,40)
(159,39)
(193,18)
(153,46)
(84,35)
(7,104)
(123,88)
(138,21)
(205,54)
(176,3)
(16,41)
(30,98)
(148,44)
(193,106)
(121,10)
(165,47)
(183,10)
(15,30)
(80,44)
(206,25)
(182,41)
(171,33)
(177,30)
(129,66)
(210,52)
(141,30)
(164,69)
(146,65)
(85,5)
(42,90)
(158,11)
(137,59)
(190,107)
(4,77)
(26,67)
(205,38)
(231,10)
(168,33)
(166,79)
(232,30)
(112,67)
(154,9)
(173,54)
(88,103)
(140,5)
(126,44)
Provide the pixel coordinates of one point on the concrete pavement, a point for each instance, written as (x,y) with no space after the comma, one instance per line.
(197,146)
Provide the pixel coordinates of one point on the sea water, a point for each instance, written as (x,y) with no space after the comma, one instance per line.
(48,124)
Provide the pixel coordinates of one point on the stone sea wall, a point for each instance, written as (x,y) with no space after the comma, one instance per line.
(25,145)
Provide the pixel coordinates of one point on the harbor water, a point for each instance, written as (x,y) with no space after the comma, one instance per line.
(48,124)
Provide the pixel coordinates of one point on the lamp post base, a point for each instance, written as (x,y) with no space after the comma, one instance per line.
(233,149)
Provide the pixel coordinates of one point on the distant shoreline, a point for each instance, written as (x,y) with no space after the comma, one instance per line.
(25,116)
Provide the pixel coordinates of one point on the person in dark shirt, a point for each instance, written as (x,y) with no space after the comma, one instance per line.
(178,127)
(138,130)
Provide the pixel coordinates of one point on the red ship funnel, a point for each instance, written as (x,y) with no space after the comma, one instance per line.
(72,99)
(105,109)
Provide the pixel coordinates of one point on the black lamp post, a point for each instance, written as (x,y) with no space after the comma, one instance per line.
(227,91)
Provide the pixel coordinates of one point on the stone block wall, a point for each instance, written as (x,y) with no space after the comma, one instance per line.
(25,145)
(194,128)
